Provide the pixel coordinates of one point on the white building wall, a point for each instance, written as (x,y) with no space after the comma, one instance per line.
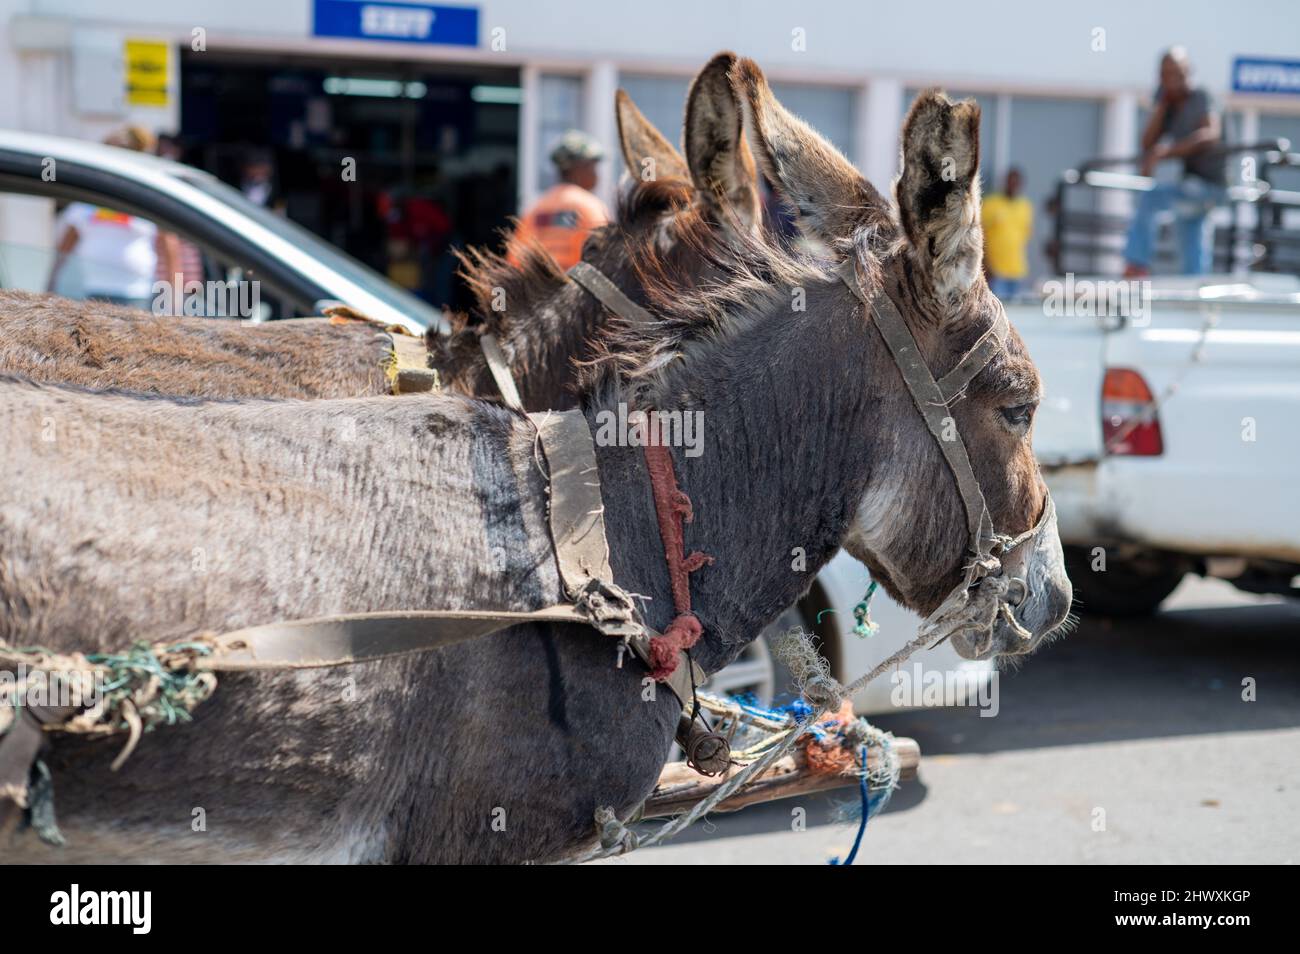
(1098,47)
(1104,50)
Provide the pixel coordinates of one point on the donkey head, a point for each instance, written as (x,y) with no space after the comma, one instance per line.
(910,527)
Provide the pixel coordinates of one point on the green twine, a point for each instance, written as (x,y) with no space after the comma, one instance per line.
(171,699)
(179,690)
(862,613)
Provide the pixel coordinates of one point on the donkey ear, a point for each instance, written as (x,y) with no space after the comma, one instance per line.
(721,165)
(647,153)
(938,192)
(830,196)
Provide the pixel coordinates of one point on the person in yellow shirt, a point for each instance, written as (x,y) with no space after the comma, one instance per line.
(567,212)
(1008,220)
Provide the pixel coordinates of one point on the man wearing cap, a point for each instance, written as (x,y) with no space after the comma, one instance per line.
(567,212)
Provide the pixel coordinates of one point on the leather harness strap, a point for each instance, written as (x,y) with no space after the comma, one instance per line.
(929,398)
(408,369)
(364,637)
(990,343)
(577,510)
(500,370)
(577,518)
(596,284)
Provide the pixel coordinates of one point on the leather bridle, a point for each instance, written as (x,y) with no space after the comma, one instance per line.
(932,398)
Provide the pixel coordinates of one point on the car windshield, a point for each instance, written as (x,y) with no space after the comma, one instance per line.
(329,256)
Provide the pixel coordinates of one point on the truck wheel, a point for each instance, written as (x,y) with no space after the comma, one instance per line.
(1132,587)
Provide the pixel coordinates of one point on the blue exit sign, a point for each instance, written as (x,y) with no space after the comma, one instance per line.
(396,20)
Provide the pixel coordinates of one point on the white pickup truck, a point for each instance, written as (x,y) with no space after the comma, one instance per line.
(1170,435)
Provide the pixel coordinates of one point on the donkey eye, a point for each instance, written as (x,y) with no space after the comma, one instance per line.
(1019,415)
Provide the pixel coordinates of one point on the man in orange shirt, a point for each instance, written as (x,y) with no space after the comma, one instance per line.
(567,212)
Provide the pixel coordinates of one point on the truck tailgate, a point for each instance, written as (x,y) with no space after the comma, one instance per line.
(1228,481)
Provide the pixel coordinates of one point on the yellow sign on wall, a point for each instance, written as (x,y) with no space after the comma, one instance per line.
(146,72)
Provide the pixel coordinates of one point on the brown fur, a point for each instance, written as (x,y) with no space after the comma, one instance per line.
(722,166)
(648,155)
(813,178)
(938,192)
(93,344)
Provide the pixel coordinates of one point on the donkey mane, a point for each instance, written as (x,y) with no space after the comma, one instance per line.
(664,231)
(755,274)
(534,273)
(487,273)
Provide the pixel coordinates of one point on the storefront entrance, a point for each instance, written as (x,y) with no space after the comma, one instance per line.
(398,164)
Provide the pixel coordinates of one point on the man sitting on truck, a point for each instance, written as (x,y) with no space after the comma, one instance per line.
(1186,117)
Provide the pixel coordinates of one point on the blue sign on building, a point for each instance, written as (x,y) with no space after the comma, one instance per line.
(1258,75)
(396,20)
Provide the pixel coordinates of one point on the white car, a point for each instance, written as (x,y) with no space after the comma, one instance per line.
(300,272)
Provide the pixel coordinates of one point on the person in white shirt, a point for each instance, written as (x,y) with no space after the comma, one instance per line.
(111,255)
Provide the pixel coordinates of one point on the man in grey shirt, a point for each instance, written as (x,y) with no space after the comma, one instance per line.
(1183,125)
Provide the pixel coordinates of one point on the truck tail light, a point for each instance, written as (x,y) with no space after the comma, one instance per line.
(1130,422)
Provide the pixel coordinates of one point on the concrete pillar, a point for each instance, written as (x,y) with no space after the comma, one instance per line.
(1120,137)
(1250,125)
(993,173)
(879,116)
(599,85)
(1119,125)
(530,131)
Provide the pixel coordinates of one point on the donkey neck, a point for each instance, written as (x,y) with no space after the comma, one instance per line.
(786,407)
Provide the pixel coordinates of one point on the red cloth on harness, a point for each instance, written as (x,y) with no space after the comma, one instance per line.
(673,509)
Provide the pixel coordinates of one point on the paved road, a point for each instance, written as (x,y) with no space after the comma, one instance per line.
(1142,720)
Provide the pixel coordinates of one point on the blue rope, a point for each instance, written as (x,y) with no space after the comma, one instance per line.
(866,813)
(800,710)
